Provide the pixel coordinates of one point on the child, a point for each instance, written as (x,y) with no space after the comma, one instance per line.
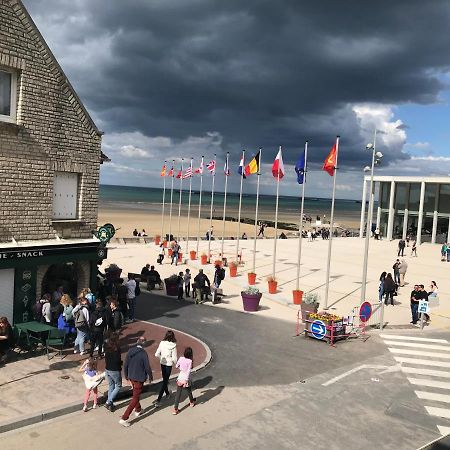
(187,282)
(161,254)
(184,378)
(180,286)
(91,380)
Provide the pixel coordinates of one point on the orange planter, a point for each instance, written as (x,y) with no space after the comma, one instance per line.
(180,257)
(157,240)
(251,278)
(204,259)
(233,271)
(169,252)
(165,244)
(273,287)
(193,255)
(297,296)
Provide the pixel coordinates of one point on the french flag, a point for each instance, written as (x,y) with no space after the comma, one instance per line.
(241,170)
(278,166)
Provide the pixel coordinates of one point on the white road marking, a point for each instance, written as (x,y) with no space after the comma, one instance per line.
(444,430)
(416,345)
(440,412)
(429,383)
(433,396)
(424,362)
(430,372)
(405,351)
(387,369)
(409,338)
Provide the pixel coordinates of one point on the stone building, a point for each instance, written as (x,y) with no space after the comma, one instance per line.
(50,156)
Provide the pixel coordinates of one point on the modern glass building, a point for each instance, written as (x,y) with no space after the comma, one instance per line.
(418,206)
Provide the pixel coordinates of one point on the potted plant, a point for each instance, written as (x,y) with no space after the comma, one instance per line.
(310,304)
(297,295)
(180,257)
(251,278)
(157,239)
(233,268)
(165,243)
(171,285)
(193,255)
(273,283)
(204,259)
(250,299)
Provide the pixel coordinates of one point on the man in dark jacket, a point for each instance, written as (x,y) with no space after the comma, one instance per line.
(201,280)
(136,370)
(97,322)
(115,317)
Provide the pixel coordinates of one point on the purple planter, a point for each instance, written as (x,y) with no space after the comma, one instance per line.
(171,289)
(251,301)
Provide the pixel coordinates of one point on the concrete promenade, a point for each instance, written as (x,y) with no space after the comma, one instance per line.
(345,282)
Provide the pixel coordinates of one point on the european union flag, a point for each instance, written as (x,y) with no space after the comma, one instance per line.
(300,169)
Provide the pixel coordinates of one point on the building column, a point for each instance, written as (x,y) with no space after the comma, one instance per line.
(363,209)
(379,207)
(405,216)
(391,212)
(435,215)
(420,220)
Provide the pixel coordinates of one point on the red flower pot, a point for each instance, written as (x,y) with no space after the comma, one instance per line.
(251,278)
(273,287)
(157,240)
(297,297)
(233,271)
(180,257)
(204,259)
(193,255)
(170,251)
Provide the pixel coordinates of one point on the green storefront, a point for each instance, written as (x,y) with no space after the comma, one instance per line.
(27,272)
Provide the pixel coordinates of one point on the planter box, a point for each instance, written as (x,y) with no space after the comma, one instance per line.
(308,308)
(250,301)
(171,288)
(336,333)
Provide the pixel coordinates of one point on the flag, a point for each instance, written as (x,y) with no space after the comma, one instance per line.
(226,169)
(188,172)
(253,166)
(241,170)
(199,169)
(170,174)
(163,171)
(330,163)
(179,174)
(212,167)
(278,166)
(300,169)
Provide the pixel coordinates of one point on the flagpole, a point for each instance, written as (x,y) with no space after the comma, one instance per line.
(163,205)
(300,226)
(200,204)
(327,285)
(179,202)
(240,204)
(276,224)
(225,202)
(171,201)
(256,210)
(211,209)
(189,211)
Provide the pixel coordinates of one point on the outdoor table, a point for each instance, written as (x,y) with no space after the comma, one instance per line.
(33,327)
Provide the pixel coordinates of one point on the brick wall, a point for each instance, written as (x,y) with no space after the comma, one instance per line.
(53,133)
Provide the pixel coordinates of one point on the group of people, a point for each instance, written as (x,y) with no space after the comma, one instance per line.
(175,250)
(402,243)
(137,371)
(152,277)
(137,233)
(419,293)
(388,287)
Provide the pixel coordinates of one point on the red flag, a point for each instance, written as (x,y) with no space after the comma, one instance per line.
(278,166)
(163,171)
(170,174)
(330,163)
(179,174)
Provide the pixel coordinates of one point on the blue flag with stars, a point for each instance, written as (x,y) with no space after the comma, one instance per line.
(300,169)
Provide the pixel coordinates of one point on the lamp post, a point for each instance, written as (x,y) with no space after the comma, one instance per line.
(376,158)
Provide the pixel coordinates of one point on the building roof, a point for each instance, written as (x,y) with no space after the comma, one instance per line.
(408,179)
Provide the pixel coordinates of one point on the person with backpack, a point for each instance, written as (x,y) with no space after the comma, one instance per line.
(81,315)
(201,280)
(167,354)
(97,321)
(184,379)
(136,370)
(131,297)
(219,275)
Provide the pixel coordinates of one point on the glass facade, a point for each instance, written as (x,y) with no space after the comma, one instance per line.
(430,197)
(401,196)
(384,195)
(414,197)
(444,199)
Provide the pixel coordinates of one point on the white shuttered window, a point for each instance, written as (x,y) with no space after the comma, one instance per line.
(65,196)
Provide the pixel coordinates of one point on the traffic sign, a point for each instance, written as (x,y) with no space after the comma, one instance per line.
(318,329)
(365,312)
(423,306)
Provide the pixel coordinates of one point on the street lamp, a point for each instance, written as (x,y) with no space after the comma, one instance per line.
(376,159)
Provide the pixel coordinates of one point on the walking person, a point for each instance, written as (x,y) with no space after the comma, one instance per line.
(381,287)
(180,285)
(402,268)
(444,251)
(175,252)
(187,282)
(115,317)
(136,370)
(184,378)
(401,247)
(161,254)
(131,297)
(414,298)
(414,249)
(167,354)
(113,369)
(389,289)
(91,380)
(98,324)
(424,296)
(81,315)
(201,280)
(396,271)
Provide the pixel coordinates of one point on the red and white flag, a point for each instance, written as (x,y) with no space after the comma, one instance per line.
(278,166)
(170,174)
(199,169)
(179,174)
(212,166)
(188,172)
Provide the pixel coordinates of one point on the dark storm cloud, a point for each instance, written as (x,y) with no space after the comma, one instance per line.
(261,73)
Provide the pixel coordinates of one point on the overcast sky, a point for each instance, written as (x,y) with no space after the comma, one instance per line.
(180,78)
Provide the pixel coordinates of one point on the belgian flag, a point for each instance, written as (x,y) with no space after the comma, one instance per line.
(253,166)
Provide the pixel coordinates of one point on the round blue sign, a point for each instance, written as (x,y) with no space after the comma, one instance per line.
(318,329)
(365,312)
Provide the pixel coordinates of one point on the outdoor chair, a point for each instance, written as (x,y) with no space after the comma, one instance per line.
(20,341)
(56,338)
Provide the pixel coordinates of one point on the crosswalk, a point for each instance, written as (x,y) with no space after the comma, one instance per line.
(426,364)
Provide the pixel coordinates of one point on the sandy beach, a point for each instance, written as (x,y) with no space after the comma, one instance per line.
(125,219)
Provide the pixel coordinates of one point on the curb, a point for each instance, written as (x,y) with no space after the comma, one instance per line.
(31,419)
